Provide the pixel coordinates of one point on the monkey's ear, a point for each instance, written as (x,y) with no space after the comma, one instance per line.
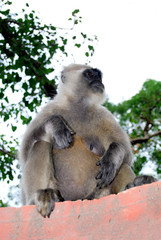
(50,90)
(62,78)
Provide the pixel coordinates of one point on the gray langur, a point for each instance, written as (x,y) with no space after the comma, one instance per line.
(74,148)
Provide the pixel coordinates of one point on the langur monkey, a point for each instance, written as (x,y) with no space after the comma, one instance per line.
(74,148)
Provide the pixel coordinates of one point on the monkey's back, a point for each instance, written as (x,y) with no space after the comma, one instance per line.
(75,170)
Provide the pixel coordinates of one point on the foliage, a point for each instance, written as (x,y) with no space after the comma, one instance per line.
(2,204)
(7,154)
(141,118)
(30,54)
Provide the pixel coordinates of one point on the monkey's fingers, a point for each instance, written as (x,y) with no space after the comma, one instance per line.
(106,173)
(98,163)
(69,136)
(103,182)
(64,137)
(72,132)
(45,202)
(99,175)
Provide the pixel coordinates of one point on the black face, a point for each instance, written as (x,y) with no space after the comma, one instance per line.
(94,78)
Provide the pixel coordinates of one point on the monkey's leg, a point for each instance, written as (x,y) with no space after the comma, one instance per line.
(110,164)
(124,176)
(38,182)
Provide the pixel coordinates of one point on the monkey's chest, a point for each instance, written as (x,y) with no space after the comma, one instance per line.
(75,170)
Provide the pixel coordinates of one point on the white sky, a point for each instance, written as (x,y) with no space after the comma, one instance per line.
(129,33)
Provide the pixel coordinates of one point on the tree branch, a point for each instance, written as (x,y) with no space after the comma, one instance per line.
(8,153)
(144,139)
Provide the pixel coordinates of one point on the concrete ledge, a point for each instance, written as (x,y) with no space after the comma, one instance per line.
(131,215)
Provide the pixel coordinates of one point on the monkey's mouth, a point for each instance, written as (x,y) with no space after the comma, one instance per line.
(97,86)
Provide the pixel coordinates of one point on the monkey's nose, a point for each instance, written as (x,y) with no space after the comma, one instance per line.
(97,74)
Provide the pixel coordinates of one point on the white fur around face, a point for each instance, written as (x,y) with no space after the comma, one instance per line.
(72,87)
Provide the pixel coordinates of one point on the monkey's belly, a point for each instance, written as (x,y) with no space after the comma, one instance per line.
(75,170)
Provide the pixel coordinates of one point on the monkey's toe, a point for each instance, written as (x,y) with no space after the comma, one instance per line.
(45,201)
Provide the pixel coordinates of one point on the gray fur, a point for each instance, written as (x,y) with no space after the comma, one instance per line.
(77,109)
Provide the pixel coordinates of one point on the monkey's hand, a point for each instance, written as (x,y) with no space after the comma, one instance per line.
(62,133)
(45,201)
(141,180)
(110,164)
(106,174)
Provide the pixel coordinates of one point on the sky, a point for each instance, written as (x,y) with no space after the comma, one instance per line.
(129,47)
(129,33)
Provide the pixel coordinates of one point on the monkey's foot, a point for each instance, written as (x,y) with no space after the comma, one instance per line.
(141,180)
(45,201)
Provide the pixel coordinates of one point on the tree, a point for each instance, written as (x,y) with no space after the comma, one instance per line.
(141,118)
(30,54)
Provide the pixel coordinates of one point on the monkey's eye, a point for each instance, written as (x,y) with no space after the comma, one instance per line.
(93,74)
(91,147)
(90,74)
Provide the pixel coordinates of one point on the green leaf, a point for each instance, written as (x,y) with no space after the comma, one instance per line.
(1,95)
(2,204)
(31,15)
(75,12)
(25,120)
(53,28)
(91,48)
(84,35)
(76,22)
(5,12)
(78,45)
(6,117)
(8,3)
(6,99)
(49,70)
(13,128)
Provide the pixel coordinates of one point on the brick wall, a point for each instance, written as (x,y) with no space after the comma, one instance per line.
(131,215)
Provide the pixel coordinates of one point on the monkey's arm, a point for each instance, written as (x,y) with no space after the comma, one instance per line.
(110,164)
(54,130)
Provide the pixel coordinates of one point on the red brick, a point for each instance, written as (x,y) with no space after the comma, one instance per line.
(131,215)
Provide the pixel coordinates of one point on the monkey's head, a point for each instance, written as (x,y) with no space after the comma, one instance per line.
(82,82)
